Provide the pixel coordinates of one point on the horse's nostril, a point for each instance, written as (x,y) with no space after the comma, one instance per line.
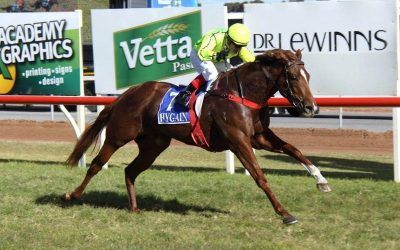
(310,108)
(308,111)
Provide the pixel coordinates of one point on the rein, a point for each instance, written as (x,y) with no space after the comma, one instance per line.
(238,99)
(286,92)
(239,85)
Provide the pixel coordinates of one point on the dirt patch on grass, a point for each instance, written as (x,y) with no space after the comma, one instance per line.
(308,140)
(338,140)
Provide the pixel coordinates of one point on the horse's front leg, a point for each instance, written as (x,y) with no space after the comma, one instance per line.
(241,147)
(268,140)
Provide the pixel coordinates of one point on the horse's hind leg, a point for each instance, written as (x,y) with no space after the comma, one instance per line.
(97,163)
(268,140)
(150,147)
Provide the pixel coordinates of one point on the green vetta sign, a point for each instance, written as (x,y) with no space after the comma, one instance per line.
(40,58)
(156,50)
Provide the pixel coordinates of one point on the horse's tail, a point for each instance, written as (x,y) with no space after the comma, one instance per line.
(89,136)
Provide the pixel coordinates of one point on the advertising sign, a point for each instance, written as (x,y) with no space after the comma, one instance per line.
(155,45)
(349,47)
(40,53)
(157,50)
(171,3)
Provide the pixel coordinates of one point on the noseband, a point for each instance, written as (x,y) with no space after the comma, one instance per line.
(287,90)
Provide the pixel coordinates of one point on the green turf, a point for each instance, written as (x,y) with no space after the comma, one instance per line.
(189,201)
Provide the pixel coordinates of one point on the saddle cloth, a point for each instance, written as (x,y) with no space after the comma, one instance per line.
(173,113)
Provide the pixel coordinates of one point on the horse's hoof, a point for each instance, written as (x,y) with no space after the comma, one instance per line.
(324,187)
(289,220)
(69,197)
(135,210)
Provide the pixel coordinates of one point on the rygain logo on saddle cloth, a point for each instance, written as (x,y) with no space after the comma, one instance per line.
(173,113)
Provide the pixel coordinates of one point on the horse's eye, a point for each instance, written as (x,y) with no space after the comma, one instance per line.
(293,77)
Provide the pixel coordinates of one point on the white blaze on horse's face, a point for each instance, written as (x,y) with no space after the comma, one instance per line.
(303,73)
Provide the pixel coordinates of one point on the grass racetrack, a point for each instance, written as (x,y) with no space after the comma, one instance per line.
(189,201)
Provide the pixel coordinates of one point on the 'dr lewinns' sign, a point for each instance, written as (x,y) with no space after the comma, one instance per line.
(349,47)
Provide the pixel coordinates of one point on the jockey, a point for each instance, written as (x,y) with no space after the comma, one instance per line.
(210,54)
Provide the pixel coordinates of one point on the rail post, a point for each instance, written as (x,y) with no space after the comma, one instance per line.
(102,136)
(80,109)
(396,110)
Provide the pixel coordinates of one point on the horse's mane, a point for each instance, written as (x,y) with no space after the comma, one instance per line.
(269,57)
(276,56)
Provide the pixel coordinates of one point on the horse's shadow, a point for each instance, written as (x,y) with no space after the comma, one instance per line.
(44,162)
(109,199)
(48,162)
(339,168)
(336,167)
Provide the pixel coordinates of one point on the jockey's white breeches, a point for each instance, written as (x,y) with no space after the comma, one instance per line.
(208,69)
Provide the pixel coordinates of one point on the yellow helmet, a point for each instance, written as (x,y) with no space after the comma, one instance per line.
(239,34)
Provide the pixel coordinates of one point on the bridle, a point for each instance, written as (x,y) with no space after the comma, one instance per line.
(287,90)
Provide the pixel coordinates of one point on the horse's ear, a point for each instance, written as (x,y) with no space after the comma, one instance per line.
(298,54)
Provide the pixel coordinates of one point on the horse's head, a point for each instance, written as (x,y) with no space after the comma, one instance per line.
(291,78)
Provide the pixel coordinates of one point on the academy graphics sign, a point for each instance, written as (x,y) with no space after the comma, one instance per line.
(40,53)
(156,50)
(141,45)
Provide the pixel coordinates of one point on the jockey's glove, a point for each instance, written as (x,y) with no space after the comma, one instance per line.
(221,56)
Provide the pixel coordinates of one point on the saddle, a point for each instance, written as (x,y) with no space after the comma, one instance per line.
(171,112)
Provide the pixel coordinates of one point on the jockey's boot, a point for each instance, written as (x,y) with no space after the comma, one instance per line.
(183,97)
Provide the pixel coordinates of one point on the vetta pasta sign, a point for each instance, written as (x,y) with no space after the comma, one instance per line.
(40,53)
(155,45)
(156,50)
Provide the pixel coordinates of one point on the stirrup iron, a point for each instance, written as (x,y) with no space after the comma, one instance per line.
(183,98)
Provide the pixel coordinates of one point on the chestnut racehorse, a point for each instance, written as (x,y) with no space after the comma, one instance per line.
(238,126)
